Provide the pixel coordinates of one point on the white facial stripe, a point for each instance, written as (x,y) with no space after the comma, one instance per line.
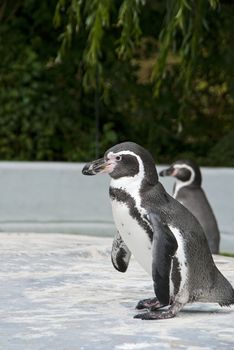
(141,173)
(111,155)
(127,183)
(179,184)
(111,163)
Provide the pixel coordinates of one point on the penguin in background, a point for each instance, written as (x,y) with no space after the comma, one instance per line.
(188,191)
(164,237)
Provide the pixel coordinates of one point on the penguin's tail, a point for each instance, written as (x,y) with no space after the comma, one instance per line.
(228,302)
(223,290)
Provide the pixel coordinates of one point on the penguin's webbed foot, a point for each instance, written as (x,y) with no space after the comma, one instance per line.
(161,315)
(151,303)
(155,315)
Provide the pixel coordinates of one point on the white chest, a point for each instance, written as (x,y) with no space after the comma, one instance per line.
(133,235)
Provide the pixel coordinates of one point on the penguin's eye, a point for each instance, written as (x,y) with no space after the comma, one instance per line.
(118,158)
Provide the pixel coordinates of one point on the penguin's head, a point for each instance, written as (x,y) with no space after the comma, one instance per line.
(126,159)
(185,171)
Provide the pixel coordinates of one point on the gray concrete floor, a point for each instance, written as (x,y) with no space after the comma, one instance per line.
(60,292)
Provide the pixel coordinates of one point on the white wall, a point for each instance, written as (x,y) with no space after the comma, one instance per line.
(56,197)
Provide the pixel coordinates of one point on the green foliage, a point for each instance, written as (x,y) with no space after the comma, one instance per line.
(223,151)
(91,17)
(231,255)
(42,116)
(185,19)
(47,105)
(129,21)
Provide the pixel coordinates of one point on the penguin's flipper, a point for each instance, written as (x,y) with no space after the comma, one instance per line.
(120,254)
(164,248)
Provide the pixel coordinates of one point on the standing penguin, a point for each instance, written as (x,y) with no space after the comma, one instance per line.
(164,237)
(188,191)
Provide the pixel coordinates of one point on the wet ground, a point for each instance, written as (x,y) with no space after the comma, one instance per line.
(60,292)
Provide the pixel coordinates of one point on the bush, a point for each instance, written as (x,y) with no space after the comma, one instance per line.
(222,154)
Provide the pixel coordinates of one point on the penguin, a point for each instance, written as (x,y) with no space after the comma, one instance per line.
(188,191)
(164,237)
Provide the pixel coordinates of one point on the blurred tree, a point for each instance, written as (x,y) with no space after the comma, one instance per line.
(164,68)
(180,51)
(181,33)
(42,111)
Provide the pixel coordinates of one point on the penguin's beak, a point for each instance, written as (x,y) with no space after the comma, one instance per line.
(168,172)
(96,167)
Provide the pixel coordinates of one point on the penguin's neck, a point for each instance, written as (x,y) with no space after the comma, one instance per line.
(180,184)
(129,184)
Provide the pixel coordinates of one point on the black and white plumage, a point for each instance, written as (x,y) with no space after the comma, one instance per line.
(188,191)
(120,254)
(164,237)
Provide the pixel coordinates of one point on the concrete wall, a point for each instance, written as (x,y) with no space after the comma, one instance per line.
(56,197)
